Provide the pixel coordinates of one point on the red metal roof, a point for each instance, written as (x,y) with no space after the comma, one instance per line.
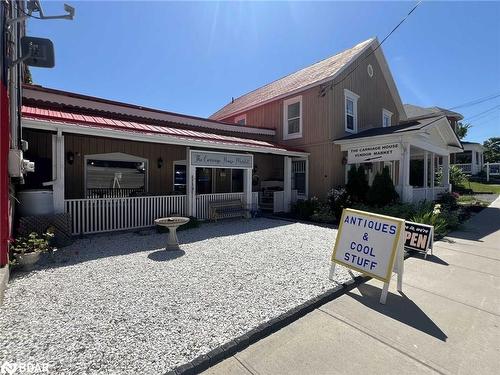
(99,122)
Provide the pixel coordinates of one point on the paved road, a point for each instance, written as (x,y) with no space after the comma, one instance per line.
(447,320)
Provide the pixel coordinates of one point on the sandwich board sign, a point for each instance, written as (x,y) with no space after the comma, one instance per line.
(419,237)
(371,244)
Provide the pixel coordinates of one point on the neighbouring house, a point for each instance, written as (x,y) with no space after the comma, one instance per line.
(346,110)
(114,165)
(470,160)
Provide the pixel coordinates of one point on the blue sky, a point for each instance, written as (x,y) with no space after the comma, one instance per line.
(193,57)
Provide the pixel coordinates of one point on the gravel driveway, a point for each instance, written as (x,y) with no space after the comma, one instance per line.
(120,304)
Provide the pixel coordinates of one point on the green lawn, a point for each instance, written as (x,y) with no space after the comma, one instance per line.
(478,187)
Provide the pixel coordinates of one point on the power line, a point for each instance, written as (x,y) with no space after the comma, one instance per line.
(480,114)
(333,84)
(477,101)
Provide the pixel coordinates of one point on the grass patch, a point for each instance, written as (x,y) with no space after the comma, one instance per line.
(478,187)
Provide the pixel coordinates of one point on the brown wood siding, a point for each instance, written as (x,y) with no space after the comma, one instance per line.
(323,120)
(159,179)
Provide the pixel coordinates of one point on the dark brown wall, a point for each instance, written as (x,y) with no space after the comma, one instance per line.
(160,179)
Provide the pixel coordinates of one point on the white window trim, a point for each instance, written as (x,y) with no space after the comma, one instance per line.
(387,113)
(239,118)
(354,98)
(115,156)
(286,103)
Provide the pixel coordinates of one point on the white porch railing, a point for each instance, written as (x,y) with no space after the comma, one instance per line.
(429,194)
(466,168)
(202,201)
(109,214)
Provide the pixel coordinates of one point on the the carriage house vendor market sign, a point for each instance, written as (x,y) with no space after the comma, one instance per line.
(373,153)
(221,160)
(368,243)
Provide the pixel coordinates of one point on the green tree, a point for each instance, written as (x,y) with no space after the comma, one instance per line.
(462,129)
(357,184)
(492,150)
(382,191)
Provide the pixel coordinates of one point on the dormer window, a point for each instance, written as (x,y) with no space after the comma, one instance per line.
(292,118)
(241,119)
(386,118)
(351,111)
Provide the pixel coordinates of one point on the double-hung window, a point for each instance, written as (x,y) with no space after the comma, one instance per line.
(351,111)
(292,116)
(386,118)
(241,119)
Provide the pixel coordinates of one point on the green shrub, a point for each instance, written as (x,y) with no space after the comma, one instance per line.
(304,209)
(357,184)
(382,191)
(338,199)
(32,243)
(323,214)
(448,200)
(457,177)
(401,210)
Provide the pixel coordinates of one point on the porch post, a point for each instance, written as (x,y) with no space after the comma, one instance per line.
(58,178)
(426,172)
(404,174)
(473,165)
(307,177)
(446,172)
(287,183)
(433,174)
(247,188)
(190,185)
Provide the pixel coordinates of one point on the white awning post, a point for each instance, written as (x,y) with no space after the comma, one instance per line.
(287,183)
(190,184)
(404,174)
(446,172)
(433,174)
(426,172)
(58,177)
(247,188)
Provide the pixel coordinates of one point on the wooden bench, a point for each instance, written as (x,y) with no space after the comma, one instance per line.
(226,209)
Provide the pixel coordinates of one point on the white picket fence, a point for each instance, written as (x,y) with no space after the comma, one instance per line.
(109,214)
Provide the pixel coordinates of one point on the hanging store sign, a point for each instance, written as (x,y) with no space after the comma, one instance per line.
(221,160)
(373,153)
(419,236)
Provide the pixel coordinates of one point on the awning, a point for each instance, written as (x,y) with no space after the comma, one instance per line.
(54,120)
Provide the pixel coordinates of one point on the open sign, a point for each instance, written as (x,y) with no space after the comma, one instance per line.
(418,236)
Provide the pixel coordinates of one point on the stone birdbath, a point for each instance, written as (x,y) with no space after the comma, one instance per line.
(172,223)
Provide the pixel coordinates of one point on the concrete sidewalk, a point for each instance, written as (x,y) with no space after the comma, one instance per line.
(446,321)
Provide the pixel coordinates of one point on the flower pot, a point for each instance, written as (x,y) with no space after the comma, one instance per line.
(27,260)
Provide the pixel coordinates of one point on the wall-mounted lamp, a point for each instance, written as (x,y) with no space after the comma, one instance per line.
(160,162)
(344,160)
(70,157)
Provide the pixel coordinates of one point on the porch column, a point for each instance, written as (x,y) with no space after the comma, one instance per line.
(247,188)
(307,177)
(58,171)
(426,172)
(473,165)
(433,174)
(404,174)
(190,185)
(445,179)
(287,183)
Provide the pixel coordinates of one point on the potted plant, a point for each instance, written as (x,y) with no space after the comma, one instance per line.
(26,250)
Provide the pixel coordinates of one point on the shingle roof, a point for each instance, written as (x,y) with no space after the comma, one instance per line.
(414,111)
(396,129)
(312,74)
